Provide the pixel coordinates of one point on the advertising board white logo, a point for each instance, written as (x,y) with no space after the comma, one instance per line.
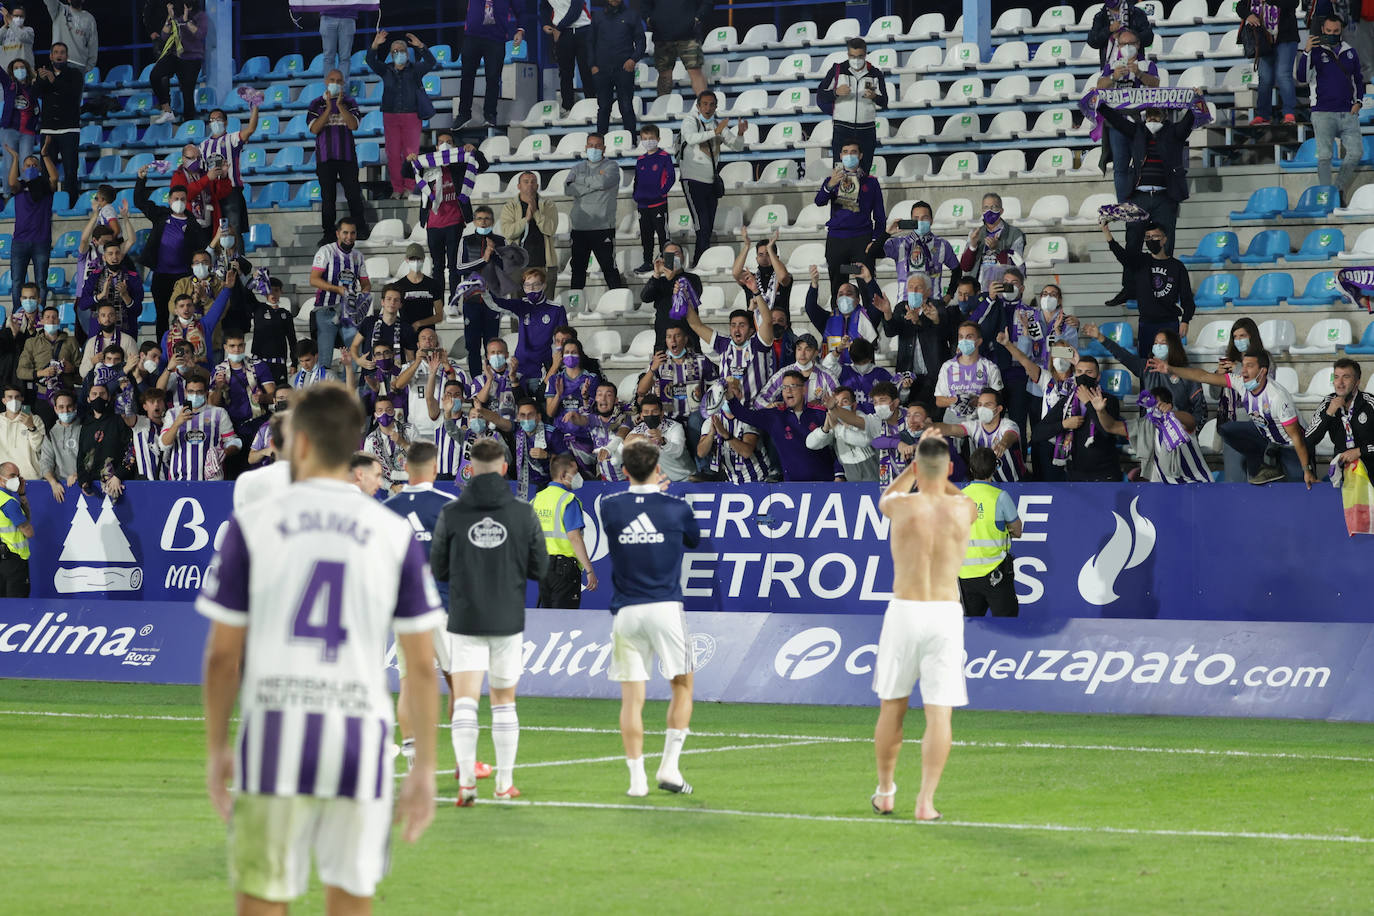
(1125,550)
(96,555)
(807,654)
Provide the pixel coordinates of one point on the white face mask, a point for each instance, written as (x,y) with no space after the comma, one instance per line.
(226,241)
(200,270)
(1049,303)
(414,266)
(1154,127)
(576,482)
(178,207)
(804,366)
(856,64)
(14,483)
(150,365)
(882,411)
(985,415)
(444,147)
(1061,364)
(184,321)
(216,128)
(1128,52)
(13,405)
(649,145)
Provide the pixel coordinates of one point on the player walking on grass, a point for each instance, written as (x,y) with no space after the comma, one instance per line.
(648,530)
(923,628)
(487,544)
(300,598)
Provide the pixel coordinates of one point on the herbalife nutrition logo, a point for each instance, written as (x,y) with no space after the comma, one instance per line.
(641,531)
(96,556)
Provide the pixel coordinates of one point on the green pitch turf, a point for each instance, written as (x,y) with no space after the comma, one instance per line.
(104,811)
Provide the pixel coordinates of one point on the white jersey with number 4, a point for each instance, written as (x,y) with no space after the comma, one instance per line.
(318,576)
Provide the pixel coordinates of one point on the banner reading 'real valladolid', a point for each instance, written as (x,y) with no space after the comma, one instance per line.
(1088,550)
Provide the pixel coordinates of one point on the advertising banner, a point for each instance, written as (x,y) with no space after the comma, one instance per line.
(1138,667)
(1217,552)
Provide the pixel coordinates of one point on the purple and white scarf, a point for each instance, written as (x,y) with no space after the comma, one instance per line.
(1169,427)
(251,96)
(1139,100)
(684,297)
(1358,285)
(440,159)
(1063,443)
(1121,213)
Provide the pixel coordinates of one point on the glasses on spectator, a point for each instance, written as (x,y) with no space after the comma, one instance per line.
(793,387)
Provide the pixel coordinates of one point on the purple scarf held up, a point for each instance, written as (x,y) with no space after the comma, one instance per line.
(1063,443)
(1166,423)
(684,296)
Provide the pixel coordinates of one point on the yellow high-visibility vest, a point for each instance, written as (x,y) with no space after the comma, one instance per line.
(987,545)
(550,505)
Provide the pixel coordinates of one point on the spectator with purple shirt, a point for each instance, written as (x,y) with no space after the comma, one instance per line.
(1332,69)
(857,216)
(484,41)
(654,178)
(538,318)
(174,238)
(239,381)
(919,250)
(333,118)
(33,199)
(115,281)
(788,424)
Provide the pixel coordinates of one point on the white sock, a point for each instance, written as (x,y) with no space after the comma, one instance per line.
(505,734)
(672,750)
(464,732)
(639,783)
(408,750)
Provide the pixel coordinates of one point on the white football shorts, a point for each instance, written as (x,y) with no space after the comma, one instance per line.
(922,640)
(502,657)
(273,838)
(642,631)
(441,653)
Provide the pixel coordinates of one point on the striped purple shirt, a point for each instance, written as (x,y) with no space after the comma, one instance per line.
(680,383)
(335,142)
(227,146)
(209,428)
(752,363)
(1009,465)
(737,468)
(147,450)
(342,268)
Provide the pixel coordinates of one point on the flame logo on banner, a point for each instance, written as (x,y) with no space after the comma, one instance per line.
(1097,578)
(597,546)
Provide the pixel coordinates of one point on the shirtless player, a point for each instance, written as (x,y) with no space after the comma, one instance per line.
(923,629)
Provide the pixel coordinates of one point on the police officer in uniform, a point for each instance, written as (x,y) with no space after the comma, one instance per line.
(561,516)
(15,531)
(987,580)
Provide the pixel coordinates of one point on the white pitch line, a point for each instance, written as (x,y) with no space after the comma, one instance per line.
(979,825)
(690,750)
(811,739)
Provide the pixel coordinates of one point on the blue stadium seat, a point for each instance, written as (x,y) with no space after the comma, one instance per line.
(1216,290)
(57,281)
(370,125)
(125,196)
(140,105)
(1322,290)
(155,135)
(253,160)
(205,98)
(81,208)
(160,196)
(288,67)
(145,78)
(6,284)
(1366,344)
(119,76)
(91,136)
(105,168)
(275,97)
(1264,203)
(189,132)
(255,68)
(512,55)
(140,239)
(1367,156)
(443,56)
(148,316)
(369,154)
(92,77)
(234,104)
(298,128)
(1117,383)
(1320,245)
(66,313)
(306,197)
(431,84)
(1119,331)
(1316,202)
(131,167)
(269,128)
(1215,248)
(274,193)
(1267,247)
(1304,158)
(316,68)
(288,159)
(259,236)
(66,245)
(6,239)
(357,63)
(123,136)
(1268,291)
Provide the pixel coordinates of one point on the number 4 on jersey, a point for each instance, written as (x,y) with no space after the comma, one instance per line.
(325,587)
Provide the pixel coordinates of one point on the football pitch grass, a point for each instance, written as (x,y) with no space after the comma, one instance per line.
(104,810)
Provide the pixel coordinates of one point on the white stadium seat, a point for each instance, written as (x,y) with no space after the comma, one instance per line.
(812,218)
(1363,249)
(952,213)
(1208,439)
(913,167)
(1087,210)
(1055,19)
(927,25)
(642,346)
(1212,339)
(1013,22)
(800,35)
(1006,125)
(885,28)
(749,103)
(841,31)
(1056,87)
(1199,77)
(712,299)
(793,67)
(558,183)
(754,69)
(1049,210)
(572,145)
(1091,164)
(821,135)
(1325,336)
(378,267)
(582,112)
(386,232)
(533,146)
(964,92)
(958,128)
(957,167)
(494,148)
(1054,53)
(803,256)
(1010,54)
(1010,89)
(737,174)
(1187,12)
(962,56)
(1005,163)
(1322,383)
(720,40)
(1361,203)
(767,218)
(1194,45)
(604,344)
(791,101)
(923,60)
(759,37)
(541,114)
(1051,163)
(1050,123)
(1278,334)
(614,302)
(779,172)
(783,135)
(1048,250)
(665,107)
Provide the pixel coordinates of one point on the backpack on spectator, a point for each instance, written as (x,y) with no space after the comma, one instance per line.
(1257,42)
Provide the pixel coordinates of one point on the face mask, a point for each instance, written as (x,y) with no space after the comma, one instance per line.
(1154,246)
(1061,364)
(985,415)
(13,484)
(676,354)
(478,425)
(850,161)
(1154,127)
(923,227)
(13,405)
(882,411)
(99,405)
(652,421)
(332,88)
(414,266)
(1242,344)
(1086,381)
(385,420)
(150,366)
(649,145)
(576,482)
(497,361)
(779,331)
(201,271)
(856,64)
(197,401)
(1251,384)
(529,425)
(535,296)
(915,298)
(594,154)
(31,173)
(226,241)
(572,361)
(51,329)
(990,217)
(804,366)
(1128,52)
(483,230)
(185,322)
(1011,293)
(178,207)
(1160,351)
(18,22)
(345,246)
(385,364)
(445,147)
(846,304)
(1049,303)
(399,58)
(29,305)
(236,357)
(967,347)
(217,128)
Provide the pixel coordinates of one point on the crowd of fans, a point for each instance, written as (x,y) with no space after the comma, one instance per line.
(979,357)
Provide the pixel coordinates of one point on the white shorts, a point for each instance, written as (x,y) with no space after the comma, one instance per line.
(642,631)
(272,839)
(441,654)
(922,640)
(502,657)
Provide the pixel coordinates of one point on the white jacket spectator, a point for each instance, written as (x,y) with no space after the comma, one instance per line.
(76,29)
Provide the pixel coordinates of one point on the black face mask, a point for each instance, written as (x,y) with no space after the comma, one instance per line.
(653,420)
(1085,381)
(99,405)
(1155,246)
(779,331)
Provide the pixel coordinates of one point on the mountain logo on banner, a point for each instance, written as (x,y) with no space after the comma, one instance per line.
(96,554)
(1130,545)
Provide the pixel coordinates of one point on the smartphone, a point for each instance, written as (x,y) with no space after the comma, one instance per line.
(670,261)
(852,270)
(1061,351)
(906,224)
